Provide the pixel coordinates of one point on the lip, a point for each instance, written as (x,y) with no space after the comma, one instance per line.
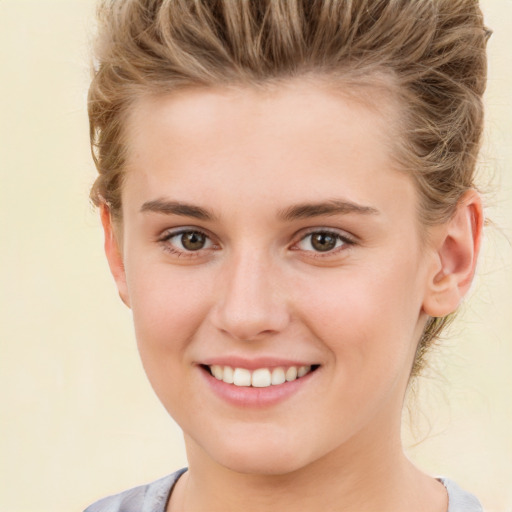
(252,397)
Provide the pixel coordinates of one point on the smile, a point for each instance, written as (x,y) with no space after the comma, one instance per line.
(260,377)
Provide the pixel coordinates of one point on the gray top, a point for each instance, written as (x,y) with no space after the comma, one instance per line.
(153,497)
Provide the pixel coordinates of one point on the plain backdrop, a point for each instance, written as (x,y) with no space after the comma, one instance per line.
(78,419)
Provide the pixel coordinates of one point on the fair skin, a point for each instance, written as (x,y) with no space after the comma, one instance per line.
(257,237)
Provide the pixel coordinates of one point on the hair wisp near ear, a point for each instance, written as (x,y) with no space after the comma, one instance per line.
(457,248)
(114,253)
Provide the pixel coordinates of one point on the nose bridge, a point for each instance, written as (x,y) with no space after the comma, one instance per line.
(251,303)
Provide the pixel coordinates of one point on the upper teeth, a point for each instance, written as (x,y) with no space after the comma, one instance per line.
(260,378)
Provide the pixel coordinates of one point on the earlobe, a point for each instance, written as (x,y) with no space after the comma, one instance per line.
(114,254)
(457,247)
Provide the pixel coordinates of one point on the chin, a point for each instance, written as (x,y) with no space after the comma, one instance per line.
(261,465)
(262,455)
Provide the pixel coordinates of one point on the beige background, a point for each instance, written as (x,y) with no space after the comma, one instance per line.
(78,419)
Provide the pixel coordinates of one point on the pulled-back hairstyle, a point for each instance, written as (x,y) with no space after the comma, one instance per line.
(431,53)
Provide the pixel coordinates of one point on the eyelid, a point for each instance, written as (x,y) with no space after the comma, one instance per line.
(179,230)
(349,237)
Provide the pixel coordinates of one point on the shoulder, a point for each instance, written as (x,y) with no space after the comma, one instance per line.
(460,500)
(151,497)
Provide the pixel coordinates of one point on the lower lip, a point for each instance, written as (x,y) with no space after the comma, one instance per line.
(248,396)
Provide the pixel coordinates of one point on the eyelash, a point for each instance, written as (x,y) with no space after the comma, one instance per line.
(168,247)
(346,242)
(169,235)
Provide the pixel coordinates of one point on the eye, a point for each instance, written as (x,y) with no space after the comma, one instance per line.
(187,241)
(323,241)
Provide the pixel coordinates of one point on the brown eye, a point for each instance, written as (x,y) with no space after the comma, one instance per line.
(186,242)
(193,240)
(323,242)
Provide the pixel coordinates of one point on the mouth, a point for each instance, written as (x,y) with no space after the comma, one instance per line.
(259,377)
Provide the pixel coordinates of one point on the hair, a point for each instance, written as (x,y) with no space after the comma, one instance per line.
(431,52)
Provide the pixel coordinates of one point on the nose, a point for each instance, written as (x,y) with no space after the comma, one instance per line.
(251,304)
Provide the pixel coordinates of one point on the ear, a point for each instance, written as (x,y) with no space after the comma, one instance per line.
(114,254)
(457,244)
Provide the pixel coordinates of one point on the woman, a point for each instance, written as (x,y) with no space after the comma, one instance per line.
(286,190)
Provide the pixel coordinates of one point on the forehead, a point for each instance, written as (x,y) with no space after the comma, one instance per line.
(305,104)
(307,137)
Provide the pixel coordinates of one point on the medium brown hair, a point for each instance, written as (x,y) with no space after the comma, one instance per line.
(431,51)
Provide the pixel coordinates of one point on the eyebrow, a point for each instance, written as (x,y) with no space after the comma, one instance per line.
(167,207)
(295,212)
(332,207)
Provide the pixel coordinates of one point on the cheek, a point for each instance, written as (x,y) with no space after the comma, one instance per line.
(168,307)
(166,299)
(367,317)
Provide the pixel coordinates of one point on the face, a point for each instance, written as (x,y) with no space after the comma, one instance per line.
(273,261)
